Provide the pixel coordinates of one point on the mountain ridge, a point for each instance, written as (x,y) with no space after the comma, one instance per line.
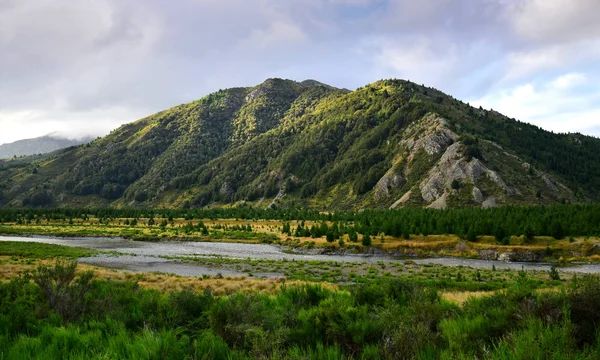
(39,145)
(284,143)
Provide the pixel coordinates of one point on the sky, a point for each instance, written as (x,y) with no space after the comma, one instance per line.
(86,67)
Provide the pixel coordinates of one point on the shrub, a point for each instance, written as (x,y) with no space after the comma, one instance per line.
(366,240)
(584,297)
(66,297)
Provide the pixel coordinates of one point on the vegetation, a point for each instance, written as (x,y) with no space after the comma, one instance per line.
(289,144)
(385,318)
(38,250)
(557,221)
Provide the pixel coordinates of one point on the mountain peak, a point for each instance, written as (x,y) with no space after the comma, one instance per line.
(308,144)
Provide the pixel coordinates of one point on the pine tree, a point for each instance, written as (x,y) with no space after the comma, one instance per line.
(366,240)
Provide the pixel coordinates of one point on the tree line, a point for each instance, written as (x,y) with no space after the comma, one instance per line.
(554,220)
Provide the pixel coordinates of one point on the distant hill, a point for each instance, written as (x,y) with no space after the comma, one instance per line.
(283,143)
(39,145)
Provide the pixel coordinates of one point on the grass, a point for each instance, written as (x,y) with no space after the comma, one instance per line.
(269,231)
(317,309)
(42,251)
(432,275)
(13,266)
(460,297)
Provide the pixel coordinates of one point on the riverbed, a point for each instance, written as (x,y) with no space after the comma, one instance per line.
(157,256)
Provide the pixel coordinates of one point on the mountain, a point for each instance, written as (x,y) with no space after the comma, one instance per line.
(39,145)
(282,143)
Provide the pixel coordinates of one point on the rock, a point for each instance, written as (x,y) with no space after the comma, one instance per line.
(488,255)
(225,189)
(390,180)
(549,183)
(402,200)
(523,256)
(505,256)
(430,134)
(477,195)
(461,247)
(490,202)
(280,195)
(256,93)
(442,174)
(492,175)
(440,203)
(474,169)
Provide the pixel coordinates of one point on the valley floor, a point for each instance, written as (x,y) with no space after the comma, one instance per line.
(51,308)
(511,248)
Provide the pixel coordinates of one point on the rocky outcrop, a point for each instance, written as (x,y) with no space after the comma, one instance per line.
(453,166)
(477,195)
(402,200)
(549,182)
(391,180)
(440,203)
(431,134)
(490,202)
(521,256)
(225,189)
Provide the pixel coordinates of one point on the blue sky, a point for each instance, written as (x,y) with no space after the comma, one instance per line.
(86,67)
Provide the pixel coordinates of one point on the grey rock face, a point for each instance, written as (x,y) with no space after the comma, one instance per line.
(402,200)
(430,134)
(489,203)
(389,181)
(477,195)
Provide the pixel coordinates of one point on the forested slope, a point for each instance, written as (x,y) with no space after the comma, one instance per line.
(283,143)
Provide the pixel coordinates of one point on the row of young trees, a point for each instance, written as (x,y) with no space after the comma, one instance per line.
(555,220)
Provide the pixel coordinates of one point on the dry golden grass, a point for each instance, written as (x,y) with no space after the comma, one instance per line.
(459,298)
(165,282)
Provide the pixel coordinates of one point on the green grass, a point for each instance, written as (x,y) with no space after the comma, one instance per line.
(38,250)
(385,319)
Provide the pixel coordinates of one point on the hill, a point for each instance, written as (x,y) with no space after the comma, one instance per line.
(282,143)
(39,145)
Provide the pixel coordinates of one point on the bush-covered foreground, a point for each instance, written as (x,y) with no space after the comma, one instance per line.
(54,313)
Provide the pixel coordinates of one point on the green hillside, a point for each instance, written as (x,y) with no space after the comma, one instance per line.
(283,143)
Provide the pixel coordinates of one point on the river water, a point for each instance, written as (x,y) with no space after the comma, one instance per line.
(149,256)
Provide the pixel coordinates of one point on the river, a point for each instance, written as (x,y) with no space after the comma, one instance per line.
(149,256)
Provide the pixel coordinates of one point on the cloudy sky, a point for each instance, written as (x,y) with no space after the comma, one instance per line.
(81,67)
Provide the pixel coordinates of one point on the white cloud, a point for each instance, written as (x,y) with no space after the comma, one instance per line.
(278,34)
(553,21)
(32,123)
(416,59)
(563,104)
(102,62)
(568,81)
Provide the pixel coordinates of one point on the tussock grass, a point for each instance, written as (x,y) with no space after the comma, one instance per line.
(38,250)
(164,282)
(460,297)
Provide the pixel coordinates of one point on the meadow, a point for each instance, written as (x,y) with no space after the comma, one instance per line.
(52,307)
(323,236)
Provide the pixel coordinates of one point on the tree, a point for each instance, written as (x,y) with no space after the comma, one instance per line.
(353,236)
(557,231)
(529,234)
(554,275)
(499,233)
(330,238)
(455,184)
(366,240)
(472,234)
(286,228)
